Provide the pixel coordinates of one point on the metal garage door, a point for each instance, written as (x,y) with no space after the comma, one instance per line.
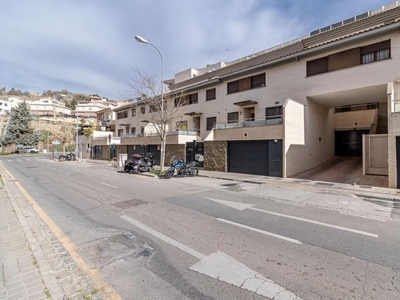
(255,157)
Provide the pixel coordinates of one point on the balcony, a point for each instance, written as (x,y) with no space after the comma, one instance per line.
(274,120)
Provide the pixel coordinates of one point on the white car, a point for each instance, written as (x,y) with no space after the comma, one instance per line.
(30,150)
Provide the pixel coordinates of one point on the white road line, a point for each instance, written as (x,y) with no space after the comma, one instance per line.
(243,206)
(113,186)
(225,268)
(261,231)
(164,238)
(317,223)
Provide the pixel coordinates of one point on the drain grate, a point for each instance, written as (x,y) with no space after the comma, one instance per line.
(128,203)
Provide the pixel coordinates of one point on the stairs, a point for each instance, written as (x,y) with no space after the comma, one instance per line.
(382,127)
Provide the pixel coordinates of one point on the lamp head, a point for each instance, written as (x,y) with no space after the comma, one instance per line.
(141,40)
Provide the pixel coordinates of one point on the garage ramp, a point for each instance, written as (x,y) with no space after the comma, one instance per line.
(343,169)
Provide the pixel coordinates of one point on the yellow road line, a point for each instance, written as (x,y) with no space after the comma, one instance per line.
(100,285)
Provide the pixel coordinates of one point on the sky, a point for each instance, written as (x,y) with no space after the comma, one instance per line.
(89,46)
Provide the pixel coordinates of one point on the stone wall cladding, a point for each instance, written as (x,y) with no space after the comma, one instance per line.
(177,150)
(215,156)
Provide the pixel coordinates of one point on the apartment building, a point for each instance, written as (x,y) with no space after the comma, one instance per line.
(48,107)
(334,92)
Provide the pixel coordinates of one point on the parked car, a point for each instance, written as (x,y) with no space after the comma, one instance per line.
(30,150)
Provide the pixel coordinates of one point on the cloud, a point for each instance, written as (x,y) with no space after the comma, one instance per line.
(89,46)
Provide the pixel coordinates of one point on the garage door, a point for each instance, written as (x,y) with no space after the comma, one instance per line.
(255,157)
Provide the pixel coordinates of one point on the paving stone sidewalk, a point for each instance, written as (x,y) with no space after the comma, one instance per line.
(33,263)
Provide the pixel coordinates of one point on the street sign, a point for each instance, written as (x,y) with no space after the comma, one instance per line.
(56,142)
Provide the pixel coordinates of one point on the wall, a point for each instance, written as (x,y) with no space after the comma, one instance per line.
(393,132)
(319,143)
(177,150)
(268,132)
(294,126)
(215,156)
(348,120)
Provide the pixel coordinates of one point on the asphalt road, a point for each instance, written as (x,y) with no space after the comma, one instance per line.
(202,238)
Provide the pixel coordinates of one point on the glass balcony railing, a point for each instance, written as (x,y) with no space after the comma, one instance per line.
(275,120)
(174,132)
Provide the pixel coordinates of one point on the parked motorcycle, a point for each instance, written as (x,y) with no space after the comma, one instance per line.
(69,156)
(139,163)
(184,169)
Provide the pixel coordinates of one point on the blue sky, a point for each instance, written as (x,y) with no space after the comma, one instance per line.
(88,46)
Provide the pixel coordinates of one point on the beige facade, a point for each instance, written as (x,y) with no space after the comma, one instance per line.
(309,94)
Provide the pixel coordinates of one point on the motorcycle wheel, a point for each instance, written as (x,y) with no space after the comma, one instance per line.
(61,158)
(168,174)
(127,168)
(193,172)
(68,157)
(142,169)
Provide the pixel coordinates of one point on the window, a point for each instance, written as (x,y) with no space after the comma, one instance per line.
(142,130)
(120,132)
(122,115)
(273,113)
(143,109)
(133,112)
(233,87)
(211,94)
(258,81)
(375,52)
(233,117)
(349,58)
(133,130)
(211,122)
(185,100)
(193,98)
(181,125)
(153,108)
(246,83)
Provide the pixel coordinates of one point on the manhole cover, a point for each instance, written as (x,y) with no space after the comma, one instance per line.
(129,203)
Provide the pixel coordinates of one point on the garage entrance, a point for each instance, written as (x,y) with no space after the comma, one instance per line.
(349,143)
(255,157)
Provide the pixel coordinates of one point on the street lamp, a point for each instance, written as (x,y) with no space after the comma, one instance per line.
(144,41)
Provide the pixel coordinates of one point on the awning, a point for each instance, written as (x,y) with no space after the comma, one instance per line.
(245,102)
(193,114)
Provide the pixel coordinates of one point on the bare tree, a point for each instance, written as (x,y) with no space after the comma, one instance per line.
(164,107)
(65,134)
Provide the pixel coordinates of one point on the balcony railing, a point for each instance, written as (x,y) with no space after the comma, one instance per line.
(174,132)
(275,120)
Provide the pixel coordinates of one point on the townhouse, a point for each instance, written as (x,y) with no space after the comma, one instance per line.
(334,92)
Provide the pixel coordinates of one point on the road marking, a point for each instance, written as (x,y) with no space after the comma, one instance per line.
(102,287)
(243,206)
(113,186)
(225,268)
(261,231)
(164,238)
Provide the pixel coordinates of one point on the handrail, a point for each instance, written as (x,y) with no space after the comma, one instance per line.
(250,122)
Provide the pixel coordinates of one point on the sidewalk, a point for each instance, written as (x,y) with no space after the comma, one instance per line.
(302,184)
(361,200)
(34,264)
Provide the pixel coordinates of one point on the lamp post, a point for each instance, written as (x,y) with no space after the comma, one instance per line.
(144,41)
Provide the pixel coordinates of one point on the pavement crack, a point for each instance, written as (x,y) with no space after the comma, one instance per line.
(394,283)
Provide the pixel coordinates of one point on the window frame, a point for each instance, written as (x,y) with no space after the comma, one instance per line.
(211,94)
(229,118)
(210,126)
